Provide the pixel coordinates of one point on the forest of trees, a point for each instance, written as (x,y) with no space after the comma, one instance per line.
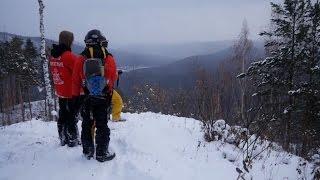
(19,75)
(25,79)
(286,93)
(276,98)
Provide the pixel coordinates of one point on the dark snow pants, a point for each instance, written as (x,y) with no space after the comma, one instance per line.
(98,110)
(67,122)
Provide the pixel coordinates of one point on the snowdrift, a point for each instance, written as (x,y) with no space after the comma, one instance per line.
(148,146)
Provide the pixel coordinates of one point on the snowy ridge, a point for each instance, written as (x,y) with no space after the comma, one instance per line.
(148,146)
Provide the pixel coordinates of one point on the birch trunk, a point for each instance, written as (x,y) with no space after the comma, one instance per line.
(49,96)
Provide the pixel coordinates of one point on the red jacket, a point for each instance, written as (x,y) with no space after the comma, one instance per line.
(61,68)
(78,78)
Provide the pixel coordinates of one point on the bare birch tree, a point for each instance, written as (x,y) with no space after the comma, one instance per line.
(49,96)
(242,50)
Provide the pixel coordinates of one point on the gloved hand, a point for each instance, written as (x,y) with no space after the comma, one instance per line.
(119,73)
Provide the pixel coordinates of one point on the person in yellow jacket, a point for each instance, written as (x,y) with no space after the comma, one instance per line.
(117,105)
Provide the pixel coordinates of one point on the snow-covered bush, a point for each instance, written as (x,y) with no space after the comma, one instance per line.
(220,130)
(252,148)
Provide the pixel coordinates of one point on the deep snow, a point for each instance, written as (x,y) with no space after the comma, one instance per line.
(148,146)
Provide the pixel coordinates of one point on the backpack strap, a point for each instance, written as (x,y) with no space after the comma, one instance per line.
(104,52)
(104,57)
(91,51)
(102,49)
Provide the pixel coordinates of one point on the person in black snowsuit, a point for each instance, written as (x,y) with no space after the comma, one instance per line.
(95,107)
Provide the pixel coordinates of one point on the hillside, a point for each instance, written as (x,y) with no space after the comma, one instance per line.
(181,74)
(124,59)
(180,50)
(135,60)
(148,146)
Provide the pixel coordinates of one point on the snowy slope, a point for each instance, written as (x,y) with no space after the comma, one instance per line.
(148,146)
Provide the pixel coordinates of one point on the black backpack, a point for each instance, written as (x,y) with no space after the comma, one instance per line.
(93,68)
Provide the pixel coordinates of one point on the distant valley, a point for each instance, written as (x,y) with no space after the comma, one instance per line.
(170,66)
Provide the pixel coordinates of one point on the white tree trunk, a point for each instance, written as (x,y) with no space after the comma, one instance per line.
(243,47)
(45,62)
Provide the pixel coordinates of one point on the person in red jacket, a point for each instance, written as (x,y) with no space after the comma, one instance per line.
(61,66)
(95,74)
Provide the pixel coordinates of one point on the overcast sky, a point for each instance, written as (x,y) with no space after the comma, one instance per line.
(138,21)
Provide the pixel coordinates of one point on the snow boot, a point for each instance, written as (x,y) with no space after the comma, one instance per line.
(74,142)
(88,152)
(62,137)
(73,134)
(103,153)
(108,156)
(63,142)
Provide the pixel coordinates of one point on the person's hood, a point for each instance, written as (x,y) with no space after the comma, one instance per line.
(58,50)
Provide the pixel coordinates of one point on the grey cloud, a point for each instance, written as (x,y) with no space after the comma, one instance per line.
(138,21)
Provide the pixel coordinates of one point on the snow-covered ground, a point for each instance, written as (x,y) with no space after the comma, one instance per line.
(148,146)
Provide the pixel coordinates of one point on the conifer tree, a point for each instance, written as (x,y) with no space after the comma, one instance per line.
(275,76)
(31,73)
(309,83)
